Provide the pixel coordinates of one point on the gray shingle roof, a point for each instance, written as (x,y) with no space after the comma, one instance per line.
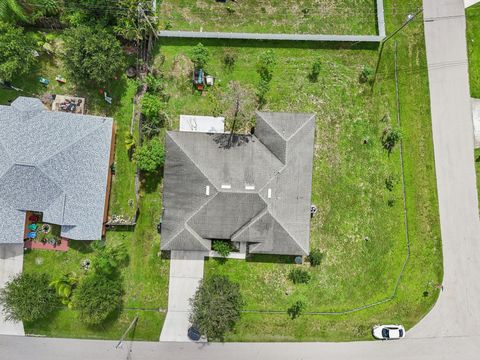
(56,163)
(257,191)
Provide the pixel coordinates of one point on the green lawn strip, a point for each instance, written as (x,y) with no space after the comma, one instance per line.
(65,324)
(473,42)
(122,197)
(352,17)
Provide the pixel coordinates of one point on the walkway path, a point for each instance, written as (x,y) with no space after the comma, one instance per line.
(457,312)
(11,264)
(186,271)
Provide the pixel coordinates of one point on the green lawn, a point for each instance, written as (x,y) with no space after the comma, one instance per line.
(353,17)
(360,224)
(473,42)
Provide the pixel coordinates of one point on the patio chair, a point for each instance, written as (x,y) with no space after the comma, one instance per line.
(32,235)
(33,227)
(33,218)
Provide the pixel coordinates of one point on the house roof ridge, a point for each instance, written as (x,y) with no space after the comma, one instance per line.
(70,145)
(189,158)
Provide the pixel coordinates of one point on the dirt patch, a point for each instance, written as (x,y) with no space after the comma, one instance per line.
(182,67)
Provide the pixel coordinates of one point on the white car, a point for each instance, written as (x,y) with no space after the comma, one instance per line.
(388,332)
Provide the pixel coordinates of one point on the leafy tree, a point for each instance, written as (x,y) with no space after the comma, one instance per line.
(92,12)
(265,68)
(28,297)
(97,297)
(299,276)
(129,24)
(152,126)
(150,156)
(64,287)
(315,257)
(13,10)
(92,55)
(216,306)
(16,52)
(390,137)
(224,248)
(296,309)
(200,56)
(315,71)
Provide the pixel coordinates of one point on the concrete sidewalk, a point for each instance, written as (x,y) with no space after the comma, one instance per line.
(186,271)
(11,264)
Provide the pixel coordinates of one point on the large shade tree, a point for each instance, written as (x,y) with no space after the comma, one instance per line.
(92,55)
(28,297)
(16,52)
(216,307)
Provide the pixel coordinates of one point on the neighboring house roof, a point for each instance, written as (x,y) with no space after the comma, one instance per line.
(56,163)
(256,191)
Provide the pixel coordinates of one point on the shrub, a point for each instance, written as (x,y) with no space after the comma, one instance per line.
(390,137)
(299,276)
(315,71)
(129,141)
(97,297)
(150,156)
(200,56)
(265,69)
(229,58)
(315,257)
(109,259)
(216,306)
(28,297)
(151,105)
(222,247)
(296,309)
(154,84)
(366,76)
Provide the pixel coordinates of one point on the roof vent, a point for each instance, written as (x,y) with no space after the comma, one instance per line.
(207,190)
(249,187)
(226,186)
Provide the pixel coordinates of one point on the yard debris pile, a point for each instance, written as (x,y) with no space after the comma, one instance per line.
(69,104)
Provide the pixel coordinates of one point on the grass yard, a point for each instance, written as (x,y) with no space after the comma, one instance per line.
(473,42)
(360,223)
(352,17)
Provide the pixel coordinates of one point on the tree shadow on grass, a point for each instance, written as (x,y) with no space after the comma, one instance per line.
(270,44)
(150,182)
(83,247)
(276,259)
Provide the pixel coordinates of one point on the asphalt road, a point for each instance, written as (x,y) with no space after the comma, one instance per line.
(451,330)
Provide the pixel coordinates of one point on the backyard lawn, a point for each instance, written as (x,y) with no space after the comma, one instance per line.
(352,17)
(357,186)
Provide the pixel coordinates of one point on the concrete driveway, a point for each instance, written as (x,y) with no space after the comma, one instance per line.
(11,264)
(186,271)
